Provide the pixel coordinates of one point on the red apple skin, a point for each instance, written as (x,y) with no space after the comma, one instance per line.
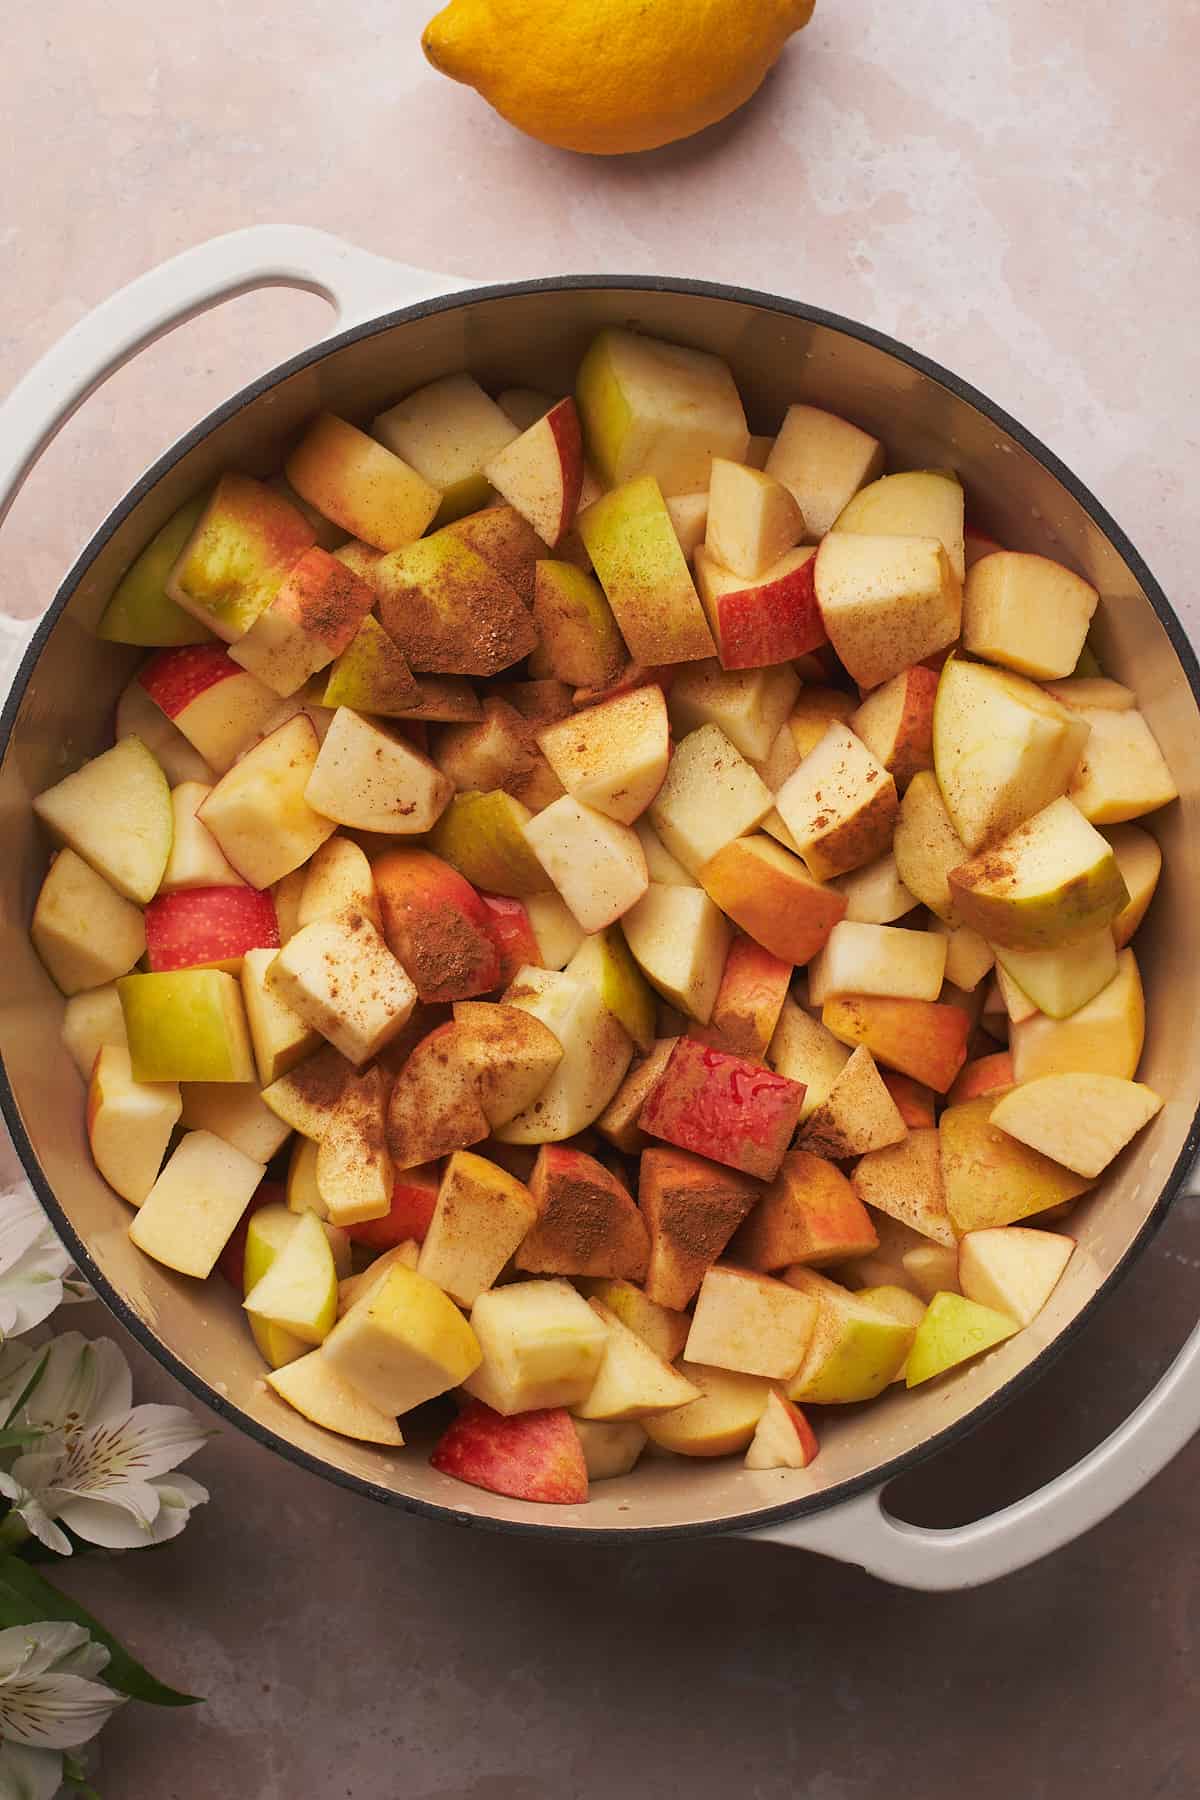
(232,1259)
(757,626)
(562,421)
(437,925)
(986,1075)
(513,934)
(804,1431)
(174,678)
(414,1198)
(914,1101)
(197,926)
(926,1039)
(415,730)
(725,1108)
(325,598)
(977,545)
(531,1456)
(749,1001)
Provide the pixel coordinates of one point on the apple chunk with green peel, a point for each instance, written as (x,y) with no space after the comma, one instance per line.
(596,863)
(402,1342)
(258,812)
(219,708)
(922,503)
(372,674)
(507,542)
(115,813)
(190,1213)
(447,431)
(1051,881)
(482,835)
(692,1207)
(926,847)
(840,805)
(783,1438)
(613,756)
(296,1293)
(743,1320)
(84,931)
(436,925)
(721,1422)
(449,609)
(604,961)
(992,1179)
(768,619)
(1104,1037)
(745,1014)
(806,1051)
(1002,749)
(237,556)
(886,602)
(633,1382)
(856,1115)
(313,1389)
(580,641)
(905,1181)
(587,1223)
(1122,773)
(855,1349)
(926,1039)
(596,1053)
(823,460)
(880,960)
(541,1344)
(1059,981)
(540,473)
(314,616)
(639,563)
(753,519)
(129,1123)
(140,610)
(895,722)
(481,1216)
(341,978)
(1081,1121)
(953,1331)
(769,893)
(512,931)
(186,1026)
(535,1456)
(1027,613)
(365,488)
(710,796)
(724,1108)
(367,776)
(810,1214)
(657,409)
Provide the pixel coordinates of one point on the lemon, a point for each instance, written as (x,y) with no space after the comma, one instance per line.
(612,76)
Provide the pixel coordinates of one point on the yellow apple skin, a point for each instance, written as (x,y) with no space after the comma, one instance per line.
(1051,881)
(953,1331)
(1105,1037)
(856,1348)
(298,1290)
(604,961)
(990,1178)
(265,1238)
(642,569)
(186,1025)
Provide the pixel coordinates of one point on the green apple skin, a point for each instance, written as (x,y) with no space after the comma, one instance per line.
(632,543)
(266,1235)
(953,1331)
(371,674)
(187,1025)
(1052,881)
(140,610)
(1061,981)
(606,962)
(301,1275)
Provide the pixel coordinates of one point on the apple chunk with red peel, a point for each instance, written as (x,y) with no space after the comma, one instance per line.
(679,940)
(531,1456)
(512,931)
(692,1207)
(747,1322)
(450,610)
(596,863)
(372,675)
(905,1181)
(857,1114)
(710,796)
(362,486)
(1081,1121)
(823,460)
(754,986)
(1027,613)
(886,602)
(541,472)
(587,1222)
(840,805)
(991,1178)
(481,1216)
(447,431)
(753,519)
(639,563)
(370,778)
(579,637)
(768,892)
(209,928)
(341,978)
(983,1075)
(115,813)
(769,619)
(612,757)
(414,1196)
(258,812)
(129,1123)
(878,960)
(84,931)
(783,1438)
(1051,881)
(809,1214)
(596,1053)
(895,722)
(233,564)
(219,708)
(436,925)
(1013,1269)
(926,1039)
(724,1108)
(313,617)
(195,1204)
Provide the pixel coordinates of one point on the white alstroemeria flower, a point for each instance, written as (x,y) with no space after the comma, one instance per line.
(48,1703)
(103,1467)
(36,1274)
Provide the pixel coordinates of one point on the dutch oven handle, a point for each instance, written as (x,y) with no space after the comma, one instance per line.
(862,1531)
(354,282)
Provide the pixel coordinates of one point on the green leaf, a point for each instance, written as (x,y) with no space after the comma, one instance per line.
(27,1390)
(19,1437)
(26,1597)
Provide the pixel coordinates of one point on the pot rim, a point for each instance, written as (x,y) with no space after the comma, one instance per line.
(803,1506)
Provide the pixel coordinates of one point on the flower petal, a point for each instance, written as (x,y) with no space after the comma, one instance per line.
(27,1774)
(41,1646)
(55,1711)
(29,1508)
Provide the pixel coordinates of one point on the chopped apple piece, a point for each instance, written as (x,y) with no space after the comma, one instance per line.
(208,928)
(745,1014)
(510,1054)
(824,460)
(371,674)
(905,1181)
(1140,862)
(449,609)
(689,516)
(555,929)
(90,1021)
(815,710)
(307,1095)
(637,557)
(931,1269)
(886,602)
(605,962)
(495,752)
(436,925)
(138,716)
(234,1111)
(769,619)
(809,1214)
(297,1292)
(540,473)
(692,1208)
(840,805)
(745,1321)
(721,1422)
(402,1342)
(664,1329)
(237,556)
(612,757)
(875,894)
(483,836)
(806,1052)
(515,939)
(362,486)
(969,957)
(596,1054)
(680,940)
(258,812)
(1013,1270)
(114,813)
(447,432)
(542,1345)
(507,542)
(855,1349)
(1002,748)
(1060,981)
(369,777)
(657,409)
(579,636)
(1027,613)
(481,1216)
(895,722)
(1103,1037)
(196,859)
(587,1222)
(610,1450)
(725,1108)
(1080,1120)
(129,1123)
(535,1456)
(858,1114)
(316,1391)
(913,1099)
(199,693)
(338,875)
(435,1105)
(197,1200)
(340,976)
(1051,881)
(927,847)
(140,610)
(783,1438)
(84,931)
(984,1075)
(753,519)
(353,1172)
(924,503)
(922,1038)
(281,1038)
(619,1120)
(750,706)
(1122,773)
(878,959)
(990,1178)
(1017,1004)
(633,1382)
(952,1332)
(596,863)
(710,796)
(771,895)
(186,1026)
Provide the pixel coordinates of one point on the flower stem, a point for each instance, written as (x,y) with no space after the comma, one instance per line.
(13,1531)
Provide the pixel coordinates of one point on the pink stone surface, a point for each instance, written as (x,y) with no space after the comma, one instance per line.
(1010,188)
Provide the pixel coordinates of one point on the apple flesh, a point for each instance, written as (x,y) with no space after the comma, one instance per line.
(535,1456)
(596,863)
(448,431)
(823,460)
(435,1106)
(840,805)
(927,847)
(188,1025)
(922,1038)
(886,602)
(596,1053)
(769,893)
(91,1020)
(341,978)
(895,722)
(138,716)
(555,929)
(633,1382)
(1060,981)
(140,610)
(237,556)
(610,1450)
(1103,1037)
(619,1120)
(783,1438)
(689,516)
(196,859)
(878,960)
(115,814)
(905,1181)
(259,814)
(992,1179)
(540,473)
(1122,772)
(1027,614)
(749,705)
(84,931)
(745,1014)
(809,1214)
(855,1350)
(612,757)
(1013,1270)
(296,1293)
(234,1111)
(679,940)
(753,519)
(1079,1120)
(353,1172)
(743,1320)
(541,1343)
(129,1123)
(710,796)
(402,1342)
(192,1209)
(692,1207)
(314,616)
(368,777)
(875,894)
(953,1331)
(724,1108)
(481,1216)
(605,962)
(806,1052)
(314,1390)
(637,558)
(219,708)
(363,487)
(857,1114)
(924,503)
(769,619)
(722,1422)
(1140,862)
(1051,881)
(436,925)
(658,410)
(280,1037)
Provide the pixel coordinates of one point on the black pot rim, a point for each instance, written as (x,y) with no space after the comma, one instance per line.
(806,1505)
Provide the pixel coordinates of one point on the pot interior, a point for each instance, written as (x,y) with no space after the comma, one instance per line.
(534,336)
